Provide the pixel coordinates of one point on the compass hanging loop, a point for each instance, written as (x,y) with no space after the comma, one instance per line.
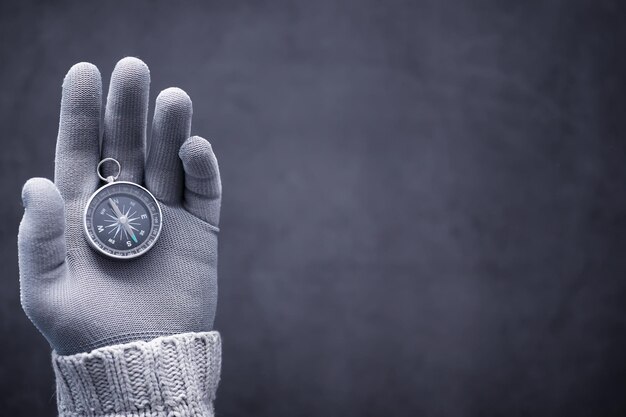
(110,178)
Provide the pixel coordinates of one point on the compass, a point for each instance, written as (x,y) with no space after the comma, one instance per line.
(122,219)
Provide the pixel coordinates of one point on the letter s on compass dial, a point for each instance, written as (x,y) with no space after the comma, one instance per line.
(122,220)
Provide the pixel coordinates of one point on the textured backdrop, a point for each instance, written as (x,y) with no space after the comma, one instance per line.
(424,201)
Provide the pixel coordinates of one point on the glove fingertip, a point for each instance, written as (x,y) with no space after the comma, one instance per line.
(198,157)
(84,71)
(174,99)
(37,190)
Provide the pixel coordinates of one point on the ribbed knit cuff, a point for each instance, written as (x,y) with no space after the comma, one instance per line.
(171,376)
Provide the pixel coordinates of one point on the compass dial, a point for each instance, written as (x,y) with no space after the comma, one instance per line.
(122,220)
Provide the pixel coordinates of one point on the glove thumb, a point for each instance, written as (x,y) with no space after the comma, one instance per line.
(41,238)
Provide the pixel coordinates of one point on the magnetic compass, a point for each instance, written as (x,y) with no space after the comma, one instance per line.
(122,219)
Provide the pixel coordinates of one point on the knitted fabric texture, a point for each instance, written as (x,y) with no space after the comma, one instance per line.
(173,376)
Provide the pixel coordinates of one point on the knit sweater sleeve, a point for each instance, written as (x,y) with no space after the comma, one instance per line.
(168,376)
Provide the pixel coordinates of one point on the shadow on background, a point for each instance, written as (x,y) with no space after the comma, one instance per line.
(424,203)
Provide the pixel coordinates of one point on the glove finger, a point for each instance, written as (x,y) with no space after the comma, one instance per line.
(125,119)
(170,128)
(203,187)
(78,146)
(41,238)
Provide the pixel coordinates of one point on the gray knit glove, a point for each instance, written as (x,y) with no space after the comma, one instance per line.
(81,300)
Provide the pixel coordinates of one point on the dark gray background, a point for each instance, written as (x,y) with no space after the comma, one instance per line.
(424,201)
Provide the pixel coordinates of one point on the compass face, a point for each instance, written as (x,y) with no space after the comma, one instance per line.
(122,220)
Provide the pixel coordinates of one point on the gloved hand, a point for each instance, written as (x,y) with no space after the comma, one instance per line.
(79,299)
